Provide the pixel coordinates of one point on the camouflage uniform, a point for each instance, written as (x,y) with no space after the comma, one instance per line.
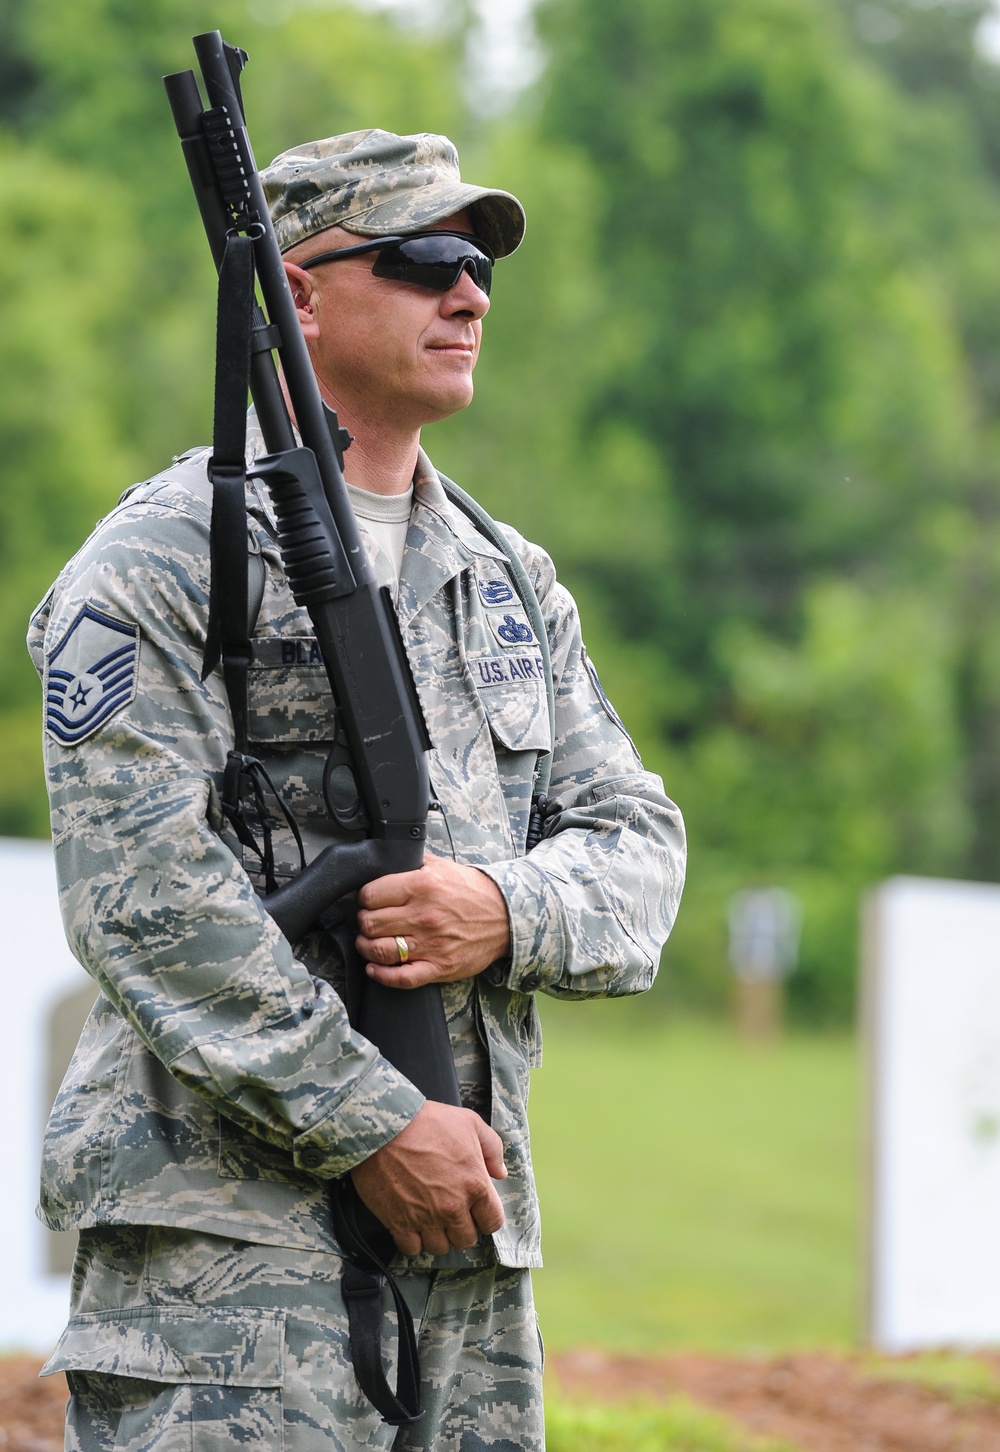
(218,1084)
(212,1342)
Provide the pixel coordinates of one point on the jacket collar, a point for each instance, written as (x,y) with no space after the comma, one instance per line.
(441,542)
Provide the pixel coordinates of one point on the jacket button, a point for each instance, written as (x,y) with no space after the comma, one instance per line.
(311,1157)
(530,982)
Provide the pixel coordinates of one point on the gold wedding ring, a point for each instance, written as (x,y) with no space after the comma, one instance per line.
(402,950)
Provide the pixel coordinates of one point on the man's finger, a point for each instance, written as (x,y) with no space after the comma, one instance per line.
(462,1232)
(395,890)
(487,1211)
(435,1242)
(385,922)
(384,950)
(408,1242)
(402,918)
(492,1148)
(408,975)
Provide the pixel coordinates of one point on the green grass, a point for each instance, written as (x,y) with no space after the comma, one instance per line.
(696,1191)
(678,1426)
(964,1380)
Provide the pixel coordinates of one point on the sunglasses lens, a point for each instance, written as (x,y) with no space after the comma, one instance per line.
(436,262)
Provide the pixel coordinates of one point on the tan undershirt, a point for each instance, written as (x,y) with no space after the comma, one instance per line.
(386,517)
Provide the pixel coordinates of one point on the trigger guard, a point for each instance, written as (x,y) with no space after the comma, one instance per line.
(352,820)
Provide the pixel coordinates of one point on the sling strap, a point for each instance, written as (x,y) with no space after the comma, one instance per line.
(368,1248)
(232,614)
(228,636)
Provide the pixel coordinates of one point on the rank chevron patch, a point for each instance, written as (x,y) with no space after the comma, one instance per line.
(90,675)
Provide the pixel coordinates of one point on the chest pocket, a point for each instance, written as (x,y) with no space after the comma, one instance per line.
(288,692)
(512,691)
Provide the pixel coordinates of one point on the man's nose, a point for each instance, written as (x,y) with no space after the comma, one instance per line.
(465,296)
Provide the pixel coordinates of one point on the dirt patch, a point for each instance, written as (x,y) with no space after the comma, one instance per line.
(31,1411)
(823,1403)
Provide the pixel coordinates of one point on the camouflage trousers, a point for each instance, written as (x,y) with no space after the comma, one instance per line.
(183,1342)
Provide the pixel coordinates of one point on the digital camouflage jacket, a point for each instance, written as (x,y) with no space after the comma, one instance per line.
(218,1083)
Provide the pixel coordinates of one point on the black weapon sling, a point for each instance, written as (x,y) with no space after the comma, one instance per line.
(231,613)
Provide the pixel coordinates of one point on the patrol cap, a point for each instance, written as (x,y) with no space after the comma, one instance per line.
(378,184)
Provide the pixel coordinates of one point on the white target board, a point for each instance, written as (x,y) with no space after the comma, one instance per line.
(932,1010)
(43,988)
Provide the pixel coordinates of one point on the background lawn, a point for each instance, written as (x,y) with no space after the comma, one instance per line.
(696,1191)
(680,1426)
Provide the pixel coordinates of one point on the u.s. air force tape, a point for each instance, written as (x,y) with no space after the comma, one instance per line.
(506,670)
(91,674)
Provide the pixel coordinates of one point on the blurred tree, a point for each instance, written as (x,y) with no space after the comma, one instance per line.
(91,94)
(801,310)
(61,259)
(935,53)
(746,162)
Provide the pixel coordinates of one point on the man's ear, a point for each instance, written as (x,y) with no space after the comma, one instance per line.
(303,294)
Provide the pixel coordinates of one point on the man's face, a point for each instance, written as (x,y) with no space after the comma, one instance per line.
(389,353)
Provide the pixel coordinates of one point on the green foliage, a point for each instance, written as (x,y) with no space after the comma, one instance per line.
(734,144)
(61,258)
(677,1426)
(100,105)
(741,380)
(838,759)
(811,383)
(696,1191)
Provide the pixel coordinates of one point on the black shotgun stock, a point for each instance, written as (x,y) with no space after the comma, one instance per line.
(329,574)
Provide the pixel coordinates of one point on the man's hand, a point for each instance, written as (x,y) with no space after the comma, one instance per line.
(431,1185)
(454,920)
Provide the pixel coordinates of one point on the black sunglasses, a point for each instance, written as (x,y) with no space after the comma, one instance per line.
(428,259)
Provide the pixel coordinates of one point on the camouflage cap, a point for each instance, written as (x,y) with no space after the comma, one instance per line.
(375,183)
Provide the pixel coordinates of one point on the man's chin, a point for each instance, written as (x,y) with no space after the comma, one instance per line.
(445,403)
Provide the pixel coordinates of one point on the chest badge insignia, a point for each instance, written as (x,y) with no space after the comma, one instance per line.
(494,592)
(514,632)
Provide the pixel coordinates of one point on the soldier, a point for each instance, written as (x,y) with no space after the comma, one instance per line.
(218,1086)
